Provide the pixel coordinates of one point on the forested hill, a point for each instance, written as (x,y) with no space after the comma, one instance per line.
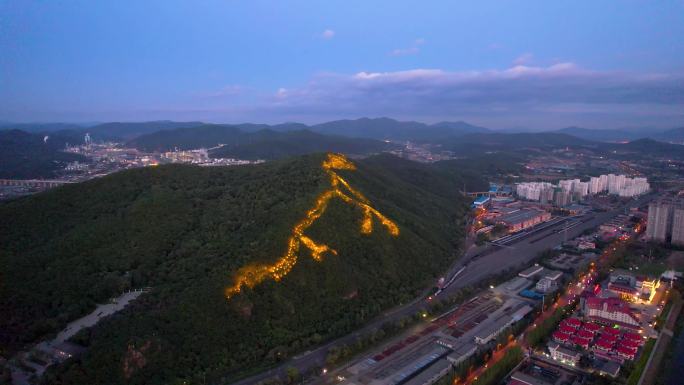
(260,144)
(185,231)
(26,155)
(269,144)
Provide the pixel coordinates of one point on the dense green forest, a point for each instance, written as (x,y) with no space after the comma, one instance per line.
(26,155)
(276,145)
(184,231)
(477,171)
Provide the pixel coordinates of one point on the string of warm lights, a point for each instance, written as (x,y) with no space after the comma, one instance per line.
(251,275)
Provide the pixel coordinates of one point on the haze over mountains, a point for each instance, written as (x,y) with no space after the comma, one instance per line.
(234,141)
(373,128)
(20,143)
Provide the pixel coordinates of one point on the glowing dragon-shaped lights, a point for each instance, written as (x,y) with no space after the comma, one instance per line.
(251,275)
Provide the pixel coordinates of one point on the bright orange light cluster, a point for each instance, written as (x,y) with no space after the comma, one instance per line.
(252,275)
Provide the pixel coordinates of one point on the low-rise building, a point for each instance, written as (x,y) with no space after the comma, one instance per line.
(633,288)
(531,271)
(546,285)
(586,245)
(520,378)
(523,218)
(607,368)
(492,330)
(611,311)
(564,355)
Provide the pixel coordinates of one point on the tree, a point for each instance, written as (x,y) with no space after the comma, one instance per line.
(292,374)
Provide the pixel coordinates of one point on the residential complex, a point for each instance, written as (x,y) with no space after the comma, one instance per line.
(569,190)
(611,311)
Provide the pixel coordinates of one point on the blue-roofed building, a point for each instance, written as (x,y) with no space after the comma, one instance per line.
(481,201)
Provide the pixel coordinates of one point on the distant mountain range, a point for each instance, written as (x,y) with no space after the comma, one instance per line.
(118,131)
(390,129)
(372,128)
(379,128)
(266,143)
(674,135)
(261,141)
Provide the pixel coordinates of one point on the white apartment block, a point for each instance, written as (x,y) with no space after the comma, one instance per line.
(576,189)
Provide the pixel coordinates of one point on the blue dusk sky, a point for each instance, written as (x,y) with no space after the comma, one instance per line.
(501,64)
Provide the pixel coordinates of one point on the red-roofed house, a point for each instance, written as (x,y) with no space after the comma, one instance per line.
(567,329)
(590,326)
(633,336)
(573,322)
(611,331)
(604,345)
(630,343)
(559,336)
(585,334)
(611,311)
(626,353)
(582,342)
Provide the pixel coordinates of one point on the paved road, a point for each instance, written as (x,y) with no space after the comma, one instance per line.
(485,264)
(95,316)
(19,377)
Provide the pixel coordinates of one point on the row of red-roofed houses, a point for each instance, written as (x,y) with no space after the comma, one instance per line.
(604,341)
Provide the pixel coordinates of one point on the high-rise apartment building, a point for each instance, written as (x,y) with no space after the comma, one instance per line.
(678,224)
(659,220)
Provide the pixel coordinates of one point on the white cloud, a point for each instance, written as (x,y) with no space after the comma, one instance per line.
(328,34)
(413,49)
(523,59)
(562,92)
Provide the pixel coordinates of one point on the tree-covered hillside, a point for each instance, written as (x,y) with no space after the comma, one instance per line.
(185,231)
(26,155)
(269,144)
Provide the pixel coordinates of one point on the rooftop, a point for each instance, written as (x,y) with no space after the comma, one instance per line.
(520,216)
(613,305)
(562,349)
(531,271)
(610,368)
(526,379)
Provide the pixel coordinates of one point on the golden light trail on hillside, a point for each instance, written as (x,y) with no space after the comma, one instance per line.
(251,275)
